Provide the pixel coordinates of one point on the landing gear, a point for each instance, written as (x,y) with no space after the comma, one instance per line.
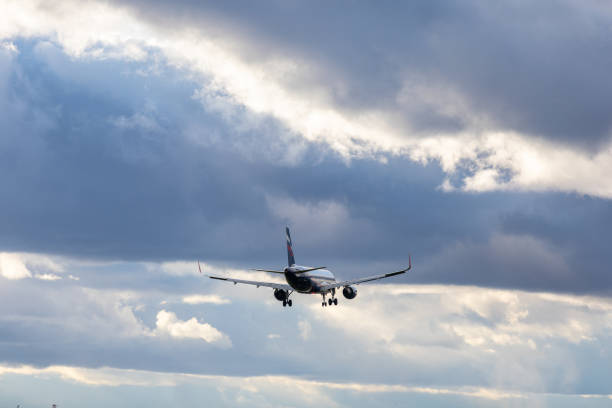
(332,301)
(284,296)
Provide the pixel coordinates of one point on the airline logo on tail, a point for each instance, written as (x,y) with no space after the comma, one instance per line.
(290,257)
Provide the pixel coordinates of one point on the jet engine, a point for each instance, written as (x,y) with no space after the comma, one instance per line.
(349,292)
(281,294)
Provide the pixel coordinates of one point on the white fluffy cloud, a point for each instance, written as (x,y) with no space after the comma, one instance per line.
(305,329)
(168,323)
(13,267)
(485,343)
(47,276)
(493,159)
(201,299)
(17,265)
(487,319)
(520,338)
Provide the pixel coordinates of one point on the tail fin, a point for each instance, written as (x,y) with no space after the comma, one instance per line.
(290,257)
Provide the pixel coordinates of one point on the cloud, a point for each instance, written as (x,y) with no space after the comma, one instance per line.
(107,376)
(137,121)
(168,161)
(501,259)
(12,267)
(493,142)
(178,194)
(178,268)
(510,161)
(47,276)
(9,46)
(201,299)
(506,326)
(452,337)
(305,329)
(329,214)
(263,386)
(168,323)
(103,376)
(332,218)
(16,265)
(135,145)
(273,390)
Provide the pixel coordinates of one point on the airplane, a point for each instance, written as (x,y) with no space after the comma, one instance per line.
(306,279)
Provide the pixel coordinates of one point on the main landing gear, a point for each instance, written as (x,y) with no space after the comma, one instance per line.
(332,301)
(282,295)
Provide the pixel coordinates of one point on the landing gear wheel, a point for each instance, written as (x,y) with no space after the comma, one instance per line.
(284,303)
(335,302)
(323,304)
(330,302)
(290,302)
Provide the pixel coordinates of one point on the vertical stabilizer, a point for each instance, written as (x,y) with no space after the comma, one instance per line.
(290,257)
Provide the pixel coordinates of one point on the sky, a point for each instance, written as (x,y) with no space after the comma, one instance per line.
(138,137)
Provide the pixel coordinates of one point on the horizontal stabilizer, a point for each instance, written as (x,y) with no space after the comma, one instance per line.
(311,269)
(266,270)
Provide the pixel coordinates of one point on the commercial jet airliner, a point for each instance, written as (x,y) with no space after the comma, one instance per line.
(305,279)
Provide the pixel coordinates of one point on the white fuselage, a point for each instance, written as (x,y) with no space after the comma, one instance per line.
(308,282)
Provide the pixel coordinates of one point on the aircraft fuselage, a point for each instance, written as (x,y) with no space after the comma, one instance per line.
(308,282)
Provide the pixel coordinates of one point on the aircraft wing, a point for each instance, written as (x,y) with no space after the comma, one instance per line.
(367,278)
(255,283)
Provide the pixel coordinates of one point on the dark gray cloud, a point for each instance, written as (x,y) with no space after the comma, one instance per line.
(103,162)
(537,68)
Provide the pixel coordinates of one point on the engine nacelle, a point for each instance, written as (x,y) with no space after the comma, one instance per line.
(281,294)
(349,292)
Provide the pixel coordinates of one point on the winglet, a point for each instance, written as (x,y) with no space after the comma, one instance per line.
(199,268)
(409,262)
